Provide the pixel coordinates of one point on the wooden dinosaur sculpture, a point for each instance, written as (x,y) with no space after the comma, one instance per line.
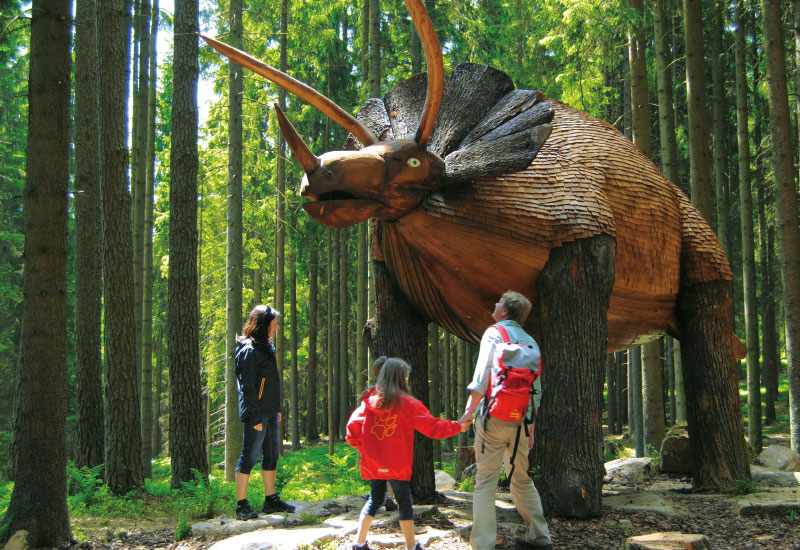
(476,191)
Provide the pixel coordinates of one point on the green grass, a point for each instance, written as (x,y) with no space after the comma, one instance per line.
(309,474)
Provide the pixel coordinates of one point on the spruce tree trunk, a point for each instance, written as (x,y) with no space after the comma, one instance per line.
(716,433)
(336,313)
(123,422)
(464,377)
(447,383)
(39,498)
(293,383)
(344,321)
(669,358)
(786,195)
(719,109)
(159,377)
(234,255)
(398,330)
(147,252)
(748,253)
(435,383)
(611,385)
(331,341)
(187,417)
(280,213)
(702,195)
(312,430)
(635,386)
(653,394)
(89,447)
(578,276)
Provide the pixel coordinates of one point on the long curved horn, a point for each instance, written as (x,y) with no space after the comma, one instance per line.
(433,58)
(325,105)
(302,153)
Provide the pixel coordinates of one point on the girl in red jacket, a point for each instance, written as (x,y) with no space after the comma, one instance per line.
(382,428)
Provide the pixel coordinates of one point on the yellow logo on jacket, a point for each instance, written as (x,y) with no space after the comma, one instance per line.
(385,426)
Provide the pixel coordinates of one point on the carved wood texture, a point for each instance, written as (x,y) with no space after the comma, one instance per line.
(468,243)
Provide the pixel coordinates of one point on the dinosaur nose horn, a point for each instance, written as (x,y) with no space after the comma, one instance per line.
(302,153)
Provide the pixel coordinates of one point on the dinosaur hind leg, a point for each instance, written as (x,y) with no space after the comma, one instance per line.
(573,295)
(716,432)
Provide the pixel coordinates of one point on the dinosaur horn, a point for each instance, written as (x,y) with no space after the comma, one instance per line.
(302,153)
(325,105)
(433,58)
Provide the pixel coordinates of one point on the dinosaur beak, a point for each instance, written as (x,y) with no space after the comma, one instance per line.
(302,153)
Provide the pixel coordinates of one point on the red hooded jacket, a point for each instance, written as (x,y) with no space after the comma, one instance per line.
(386,437)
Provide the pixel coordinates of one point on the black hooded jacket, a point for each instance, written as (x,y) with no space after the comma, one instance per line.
(257,380)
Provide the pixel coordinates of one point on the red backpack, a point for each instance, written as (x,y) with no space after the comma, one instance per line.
(515,367)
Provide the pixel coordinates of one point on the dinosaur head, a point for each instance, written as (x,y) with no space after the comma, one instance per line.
(383,179)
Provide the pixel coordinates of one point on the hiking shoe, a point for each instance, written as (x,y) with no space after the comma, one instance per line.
(365,547)
(245,512)
(419,547)
(273,503)
(390,504)
(522,544)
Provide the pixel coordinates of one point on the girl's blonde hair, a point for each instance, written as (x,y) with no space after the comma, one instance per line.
(392,383)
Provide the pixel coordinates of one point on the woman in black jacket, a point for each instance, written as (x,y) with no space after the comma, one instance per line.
(259,410)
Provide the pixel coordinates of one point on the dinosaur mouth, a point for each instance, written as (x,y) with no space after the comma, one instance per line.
(341,210)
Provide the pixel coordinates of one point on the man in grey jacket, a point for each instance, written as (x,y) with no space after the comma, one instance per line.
(496,440)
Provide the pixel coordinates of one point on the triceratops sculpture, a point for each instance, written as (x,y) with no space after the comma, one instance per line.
(474,194)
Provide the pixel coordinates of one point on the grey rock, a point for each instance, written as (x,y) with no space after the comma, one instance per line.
(675,455)
(778,457)
(444,481)
(19,541)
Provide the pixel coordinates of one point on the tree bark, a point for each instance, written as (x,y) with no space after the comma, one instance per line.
(719,111)
(89,447)
(653,393)
(716,433)
(280,209)
(374,48)
(39,498)
(234,314)
(293,383)
(186,418)
(702,196)
(578,276)
(639,101)
(748,253)
(786,195)
(398,330)
(611,392)
(123,430)
(344,337)
(332,354)
(147,252)
(435,387)
(635,387)
(312,430)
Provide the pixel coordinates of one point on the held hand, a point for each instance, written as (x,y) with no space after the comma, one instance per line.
(466,418)
(258,427)
(465,426)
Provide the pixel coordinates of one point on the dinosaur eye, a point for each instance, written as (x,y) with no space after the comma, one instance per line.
(413,162)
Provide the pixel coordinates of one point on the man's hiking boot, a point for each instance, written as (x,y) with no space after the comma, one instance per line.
(273,503)
(522,544)
(390,504)
(245,511)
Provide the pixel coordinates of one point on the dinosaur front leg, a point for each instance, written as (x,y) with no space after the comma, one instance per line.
(714,415)
(399,330)
(573,296)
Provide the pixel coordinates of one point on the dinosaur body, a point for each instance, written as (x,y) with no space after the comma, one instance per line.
(465,244)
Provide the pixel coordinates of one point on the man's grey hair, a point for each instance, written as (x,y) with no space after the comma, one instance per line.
(517,305)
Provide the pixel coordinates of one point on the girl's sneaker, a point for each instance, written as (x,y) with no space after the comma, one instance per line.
(365,547)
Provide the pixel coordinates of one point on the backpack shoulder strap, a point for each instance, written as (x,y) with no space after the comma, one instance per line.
(503,333)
